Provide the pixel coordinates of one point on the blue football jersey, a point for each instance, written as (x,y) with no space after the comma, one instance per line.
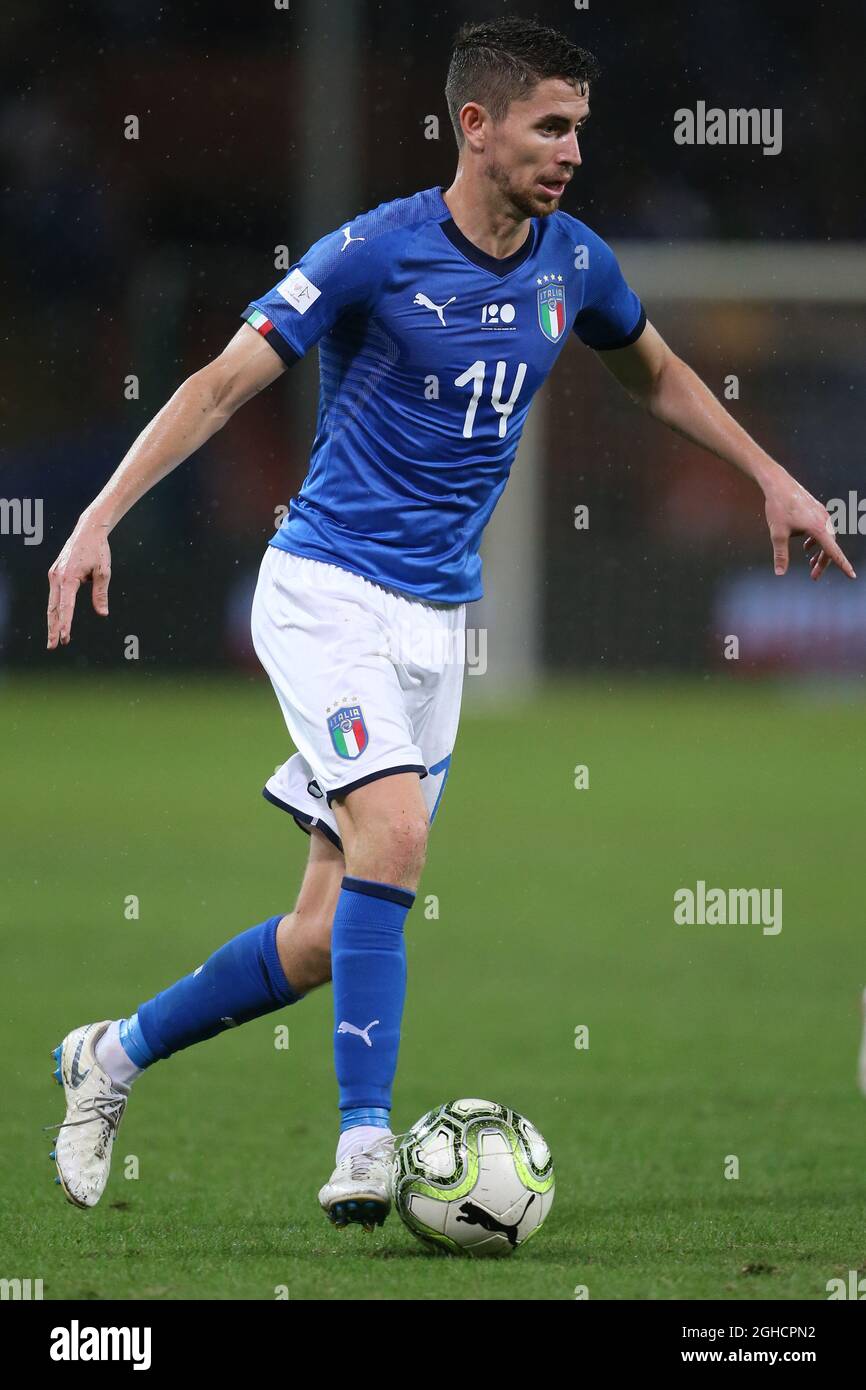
(430,352)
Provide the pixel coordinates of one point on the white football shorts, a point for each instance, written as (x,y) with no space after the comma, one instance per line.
(369,682)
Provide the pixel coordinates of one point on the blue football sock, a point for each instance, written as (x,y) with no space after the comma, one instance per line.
(368,969)
(241,981)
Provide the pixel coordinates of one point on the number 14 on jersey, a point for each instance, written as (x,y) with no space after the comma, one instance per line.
(475,375)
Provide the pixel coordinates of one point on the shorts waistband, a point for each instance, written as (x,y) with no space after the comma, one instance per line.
(356,574)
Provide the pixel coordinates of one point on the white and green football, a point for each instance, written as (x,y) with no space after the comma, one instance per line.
(473,1177)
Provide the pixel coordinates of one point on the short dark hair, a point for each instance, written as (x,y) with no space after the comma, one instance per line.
(501,61)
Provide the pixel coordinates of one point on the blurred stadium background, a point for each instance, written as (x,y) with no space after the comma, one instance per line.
(261,128)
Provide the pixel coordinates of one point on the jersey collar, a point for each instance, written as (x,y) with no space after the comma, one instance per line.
(495,264)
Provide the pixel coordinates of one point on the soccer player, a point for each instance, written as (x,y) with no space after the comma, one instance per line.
(437,316)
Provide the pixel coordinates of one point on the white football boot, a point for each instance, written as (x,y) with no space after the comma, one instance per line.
(361,1185)
(94,1109)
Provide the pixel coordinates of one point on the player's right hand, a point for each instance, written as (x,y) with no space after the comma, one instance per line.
(86,555)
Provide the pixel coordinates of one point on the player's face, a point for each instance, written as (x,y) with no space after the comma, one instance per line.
(533,152)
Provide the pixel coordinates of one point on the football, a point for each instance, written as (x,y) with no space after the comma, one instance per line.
(473,1177)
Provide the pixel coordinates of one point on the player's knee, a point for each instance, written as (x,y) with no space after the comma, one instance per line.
(304,945)
(392,849)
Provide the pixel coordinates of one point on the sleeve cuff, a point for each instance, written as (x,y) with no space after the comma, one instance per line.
(257,319)
(623,342)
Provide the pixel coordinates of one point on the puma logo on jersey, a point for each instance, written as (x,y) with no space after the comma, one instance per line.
(347,233)
(425,303)
(359,1032)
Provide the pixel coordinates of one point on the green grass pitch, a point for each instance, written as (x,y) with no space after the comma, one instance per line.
(555,909)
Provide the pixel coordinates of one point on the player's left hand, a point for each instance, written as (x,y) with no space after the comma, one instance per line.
(792,511)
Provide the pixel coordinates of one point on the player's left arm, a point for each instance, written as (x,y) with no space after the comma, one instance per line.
(667,387)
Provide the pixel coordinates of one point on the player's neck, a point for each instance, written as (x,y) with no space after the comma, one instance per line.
(479,214)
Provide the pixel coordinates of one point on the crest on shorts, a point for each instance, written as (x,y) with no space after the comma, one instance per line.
(348,731)
(551,307)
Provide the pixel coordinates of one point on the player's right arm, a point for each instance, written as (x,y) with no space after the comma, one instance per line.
(198,408)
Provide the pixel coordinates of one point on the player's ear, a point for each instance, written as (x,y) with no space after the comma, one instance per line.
(473,120)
